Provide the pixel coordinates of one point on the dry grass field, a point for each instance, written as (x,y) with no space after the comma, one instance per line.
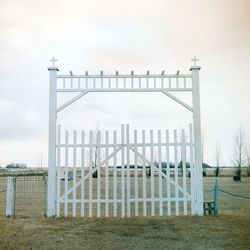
(229,230)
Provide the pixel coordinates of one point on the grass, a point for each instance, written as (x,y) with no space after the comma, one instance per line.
(229,230)
(222,232)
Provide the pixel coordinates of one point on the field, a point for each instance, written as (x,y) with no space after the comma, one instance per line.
(229,230)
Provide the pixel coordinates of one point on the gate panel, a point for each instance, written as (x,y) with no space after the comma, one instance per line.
(137,174)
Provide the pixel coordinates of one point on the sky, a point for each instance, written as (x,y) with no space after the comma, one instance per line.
(127,35)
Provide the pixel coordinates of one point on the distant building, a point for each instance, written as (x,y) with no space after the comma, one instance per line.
(16,165)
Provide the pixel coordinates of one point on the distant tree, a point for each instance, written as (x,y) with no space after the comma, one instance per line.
(239,150)
(217,159)
(248,160)
(96,152)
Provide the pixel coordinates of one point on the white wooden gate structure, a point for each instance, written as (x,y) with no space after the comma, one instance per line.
(124,174)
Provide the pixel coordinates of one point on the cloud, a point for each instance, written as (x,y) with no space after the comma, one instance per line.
(19,123)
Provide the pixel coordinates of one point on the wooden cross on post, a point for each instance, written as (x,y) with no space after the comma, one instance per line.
(195,60)
(53,60)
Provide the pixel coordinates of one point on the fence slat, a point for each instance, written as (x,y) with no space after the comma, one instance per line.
(128,170)
(115,178)
(144,181)
(106,174)
(168,172)
(58,187)
(136,175)
(99,177)
(66,175)
(123,177)
(192,172)
(176,173)
(90,175)
(184,172)
(82,174)
(152,174)
(74,175)
(160,173)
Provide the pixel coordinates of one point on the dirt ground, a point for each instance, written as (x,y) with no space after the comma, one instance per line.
(229,230)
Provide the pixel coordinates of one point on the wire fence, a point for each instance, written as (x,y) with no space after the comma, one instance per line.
(226,192)
(30,193)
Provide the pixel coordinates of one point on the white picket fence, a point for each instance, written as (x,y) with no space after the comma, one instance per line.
(138,173)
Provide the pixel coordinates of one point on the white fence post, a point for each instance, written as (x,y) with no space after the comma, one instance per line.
(51,209)
(197,140)
(10,196)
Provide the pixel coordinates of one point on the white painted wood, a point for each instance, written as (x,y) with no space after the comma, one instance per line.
(128,170)
(192,172)
(111,144)
(110,83)
(176,173)
(160,174)
(136,176)
(168,173)
(106,175)
(177,100)
(115,177)
(10,196)
(184,172)
(144,181)
(122,170)
(82,174)
(51,208)
(99,177)
(90,173)
(102,82)
(116,82)
(127,76)
(128,86)
(66,175)
(71,101)
(197,138)
(74,175)
(122,89)
(58,174)
(152,174)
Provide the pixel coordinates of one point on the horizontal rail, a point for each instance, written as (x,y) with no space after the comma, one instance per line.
(131,200)
(125,76)
(137,89)
(121,145)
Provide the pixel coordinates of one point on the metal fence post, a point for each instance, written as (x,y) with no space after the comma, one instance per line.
(10,196)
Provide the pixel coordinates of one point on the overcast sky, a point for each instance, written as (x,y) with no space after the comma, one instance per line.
(122,35)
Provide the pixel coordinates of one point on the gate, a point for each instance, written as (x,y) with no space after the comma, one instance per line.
(124,174)
(119,161)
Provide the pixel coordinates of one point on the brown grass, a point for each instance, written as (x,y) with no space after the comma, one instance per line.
(222,232)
